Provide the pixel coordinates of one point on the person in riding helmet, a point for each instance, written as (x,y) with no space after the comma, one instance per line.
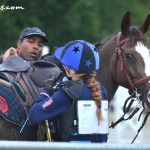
(77,108)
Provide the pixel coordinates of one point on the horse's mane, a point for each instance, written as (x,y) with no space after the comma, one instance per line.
(134,34)
(101,43)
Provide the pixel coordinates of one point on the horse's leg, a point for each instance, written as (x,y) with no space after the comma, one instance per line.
(10,131)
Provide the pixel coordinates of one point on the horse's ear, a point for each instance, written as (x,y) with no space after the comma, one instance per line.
(144,28)
(125,24)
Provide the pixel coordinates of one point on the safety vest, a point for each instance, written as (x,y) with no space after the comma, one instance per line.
(74,124)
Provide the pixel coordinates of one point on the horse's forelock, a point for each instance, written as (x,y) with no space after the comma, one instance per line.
(136,35)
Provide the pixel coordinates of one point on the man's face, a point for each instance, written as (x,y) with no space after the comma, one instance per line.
(30,48)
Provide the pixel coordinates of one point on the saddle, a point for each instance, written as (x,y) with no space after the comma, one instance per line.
(27,78)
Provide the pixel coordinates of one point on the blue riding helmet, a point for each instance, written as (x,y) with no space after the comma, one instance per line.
(79,55)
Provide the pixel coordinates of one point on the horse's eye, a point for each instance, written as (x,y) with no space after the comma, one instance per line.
(130,57)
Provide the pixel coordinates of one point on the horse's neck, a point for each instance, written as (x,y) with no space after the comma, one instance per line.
(104,75)
(107,81)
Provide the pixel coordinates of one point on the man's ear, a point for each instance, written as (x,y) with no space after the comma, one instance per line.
(19,44)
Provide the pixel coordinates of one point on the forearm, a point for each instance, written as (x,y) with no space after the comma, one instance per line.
(45,107)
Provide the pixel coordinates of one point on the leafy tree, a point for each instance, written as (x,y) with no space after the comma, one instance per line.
(66,20)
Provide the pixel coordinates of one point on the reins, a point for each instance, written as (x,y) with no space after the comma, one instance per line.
(127,106)
(134,96)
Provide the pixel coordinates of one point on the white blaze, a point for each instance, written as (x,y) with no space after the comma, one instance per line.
(145,53)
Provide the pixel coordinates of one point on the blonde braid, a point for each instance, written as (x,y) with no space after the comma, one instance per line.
(96,93)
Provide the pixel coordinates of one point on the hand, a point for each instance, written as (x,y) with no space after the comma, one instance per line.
(10,51)
(50,82)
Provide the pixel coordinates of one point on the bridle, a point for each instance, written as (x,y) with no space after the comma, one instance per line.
(118,53)
(132,89)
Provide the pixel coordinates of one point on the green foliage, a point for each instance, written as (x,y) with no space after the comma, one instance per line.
(65,20)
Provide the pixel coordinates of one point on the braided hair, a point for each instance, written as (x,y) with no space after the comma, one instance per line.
(96,93)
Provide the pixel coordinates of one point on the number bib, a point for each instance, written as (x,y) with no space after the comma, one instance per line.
(88,122)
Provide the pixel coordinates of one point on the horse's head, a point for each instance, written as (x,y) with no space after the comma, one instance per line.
(131,59)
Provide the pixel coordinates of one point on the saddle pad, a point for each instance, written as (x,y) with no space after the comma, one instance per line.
(10,107)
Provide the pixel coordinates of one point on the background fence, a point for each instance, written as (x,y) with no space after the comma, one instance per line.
(20,145)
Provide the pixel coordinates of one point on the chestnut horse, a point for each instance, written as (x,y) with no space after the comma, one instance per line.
(122,64)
